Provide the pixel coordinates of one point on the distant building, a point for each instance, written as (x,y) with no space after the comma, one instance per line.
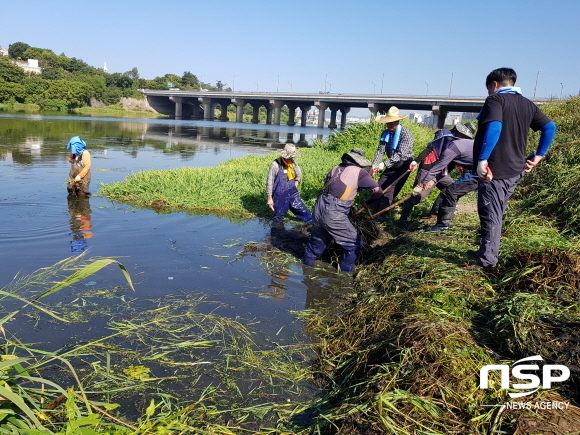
(453,119)
(468,116)
(415,117)
(3,51)
(31,65)
(105,67)
(428,119)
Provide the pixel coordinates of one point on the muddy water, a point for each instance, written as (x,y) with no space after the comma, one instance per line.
(166,254)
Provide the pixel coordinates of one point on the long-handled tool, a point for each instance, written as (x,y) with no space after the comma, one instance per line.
(389,186)
(393,205)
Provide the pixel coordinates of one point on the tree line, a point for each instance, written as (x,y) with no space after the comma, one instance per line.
(67,82)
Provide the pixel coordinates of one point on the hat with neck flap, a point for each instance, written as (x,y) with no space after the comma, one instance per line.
(76,145)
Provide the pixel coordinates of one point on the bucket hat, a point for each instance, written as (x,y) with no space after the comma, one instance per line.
(468,129)
(289,151)
(358,156)
(391,116)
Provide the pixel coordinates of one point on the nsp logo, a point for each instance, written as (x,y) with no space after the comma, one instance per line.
(521,371)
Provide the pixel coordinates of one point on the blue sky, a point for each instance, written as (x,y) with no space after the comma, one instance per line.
(355,46)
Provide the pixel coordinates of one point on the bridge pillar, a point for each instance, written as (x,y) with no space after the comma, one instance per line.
(224,110)
(304,117)
(277,104)
(239,103)
(256,112)
(178,106)
(333,109)
(439,115)
(322,106)
(343,112)
(269,110)
(208,113)
(377,108)
(291,114)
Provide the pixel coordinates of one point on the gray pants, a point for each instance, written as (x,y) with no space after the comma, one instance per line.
(492,201)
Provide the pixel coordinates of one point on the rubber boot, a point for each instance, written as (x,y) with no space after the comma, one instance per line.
(443,219)
(435,207)
(405,212)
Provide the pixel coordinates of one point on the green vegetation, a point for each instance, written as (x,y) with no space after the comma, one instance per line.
(237,187)
(404,353)
(196,373)
(68,83)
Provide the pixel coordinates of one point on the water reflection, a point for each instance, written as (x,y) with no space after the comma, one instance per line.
(79,210)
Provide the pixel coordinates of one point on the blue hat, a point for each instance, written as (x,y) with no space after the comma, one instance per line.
(76,145)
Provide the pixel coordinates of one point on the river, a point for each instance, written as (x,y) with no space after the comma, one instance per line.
(166,254)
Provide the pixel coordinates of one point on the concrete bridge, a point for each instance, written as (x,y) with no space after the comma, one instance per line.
(201,105)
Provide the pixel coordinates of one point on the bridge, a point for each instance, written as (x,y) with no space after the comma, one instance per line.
(201,104)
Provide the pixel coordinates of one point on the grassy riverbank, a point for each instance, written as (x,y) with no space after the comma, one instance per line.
(236,188)
(404,355)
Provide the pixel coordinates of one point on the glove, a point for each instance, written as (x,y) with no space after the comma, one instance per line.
(413,166)
(381,166)
(78,178)
(270,203)
(417,190)
(484,171)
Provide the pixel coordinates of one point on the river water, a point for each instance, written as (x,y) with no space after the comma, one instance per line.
(166,254)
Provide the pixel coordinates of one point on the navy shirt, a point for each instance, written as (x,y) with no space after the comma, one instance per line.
(517,115)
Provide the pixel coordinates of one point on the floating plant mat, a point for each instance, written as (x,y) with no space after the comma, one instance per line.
(174,349)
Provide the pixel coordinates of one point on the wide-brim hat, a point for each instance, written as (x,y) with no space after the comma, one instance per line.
(359,157)
(391,116)
(468,129)
(289,151)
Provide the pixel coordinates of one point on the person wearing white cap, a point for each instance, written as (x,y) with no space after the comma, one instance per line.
(282,195)
(397,143)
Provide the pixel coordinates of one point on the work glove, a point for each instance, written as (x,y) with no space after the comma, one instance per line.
(78,178)
(413,166)
(484,171)
(270,203)
(417,190)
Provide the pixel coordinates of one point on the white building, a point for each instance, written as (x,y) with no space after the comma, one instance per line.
(3,51)
(31,65)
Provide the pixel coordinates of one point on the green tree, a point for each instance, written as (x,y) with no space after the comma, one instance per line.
(10,72)
(12,91)
(74,94)
(16,50)
(219,85)
(34,86)
(189,80)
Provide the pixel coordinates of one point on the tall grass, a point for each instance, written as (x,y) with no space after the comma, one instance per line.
(236,188)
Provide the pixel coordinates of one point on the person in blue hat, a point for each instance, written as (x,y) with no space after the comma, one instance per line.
(79,176)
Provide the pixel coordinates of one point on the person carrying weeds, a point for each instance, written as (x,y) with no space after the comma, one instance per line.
(397,143)
(79,176)
(282,195)
(431,168)
(331,209)
(500,152)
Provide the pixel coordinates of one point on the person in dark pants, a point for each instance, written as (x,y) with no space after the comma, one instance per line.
(500,151)
(284,175)
(397,143)
(427,159)
(457,153)
(333,205)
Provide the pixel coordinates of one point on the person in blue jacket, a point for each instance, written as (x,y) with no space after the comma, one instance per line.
(499,153)
(282,195)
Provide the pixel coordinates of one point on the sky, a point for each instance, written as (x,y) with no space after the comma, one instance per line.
(350,47)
